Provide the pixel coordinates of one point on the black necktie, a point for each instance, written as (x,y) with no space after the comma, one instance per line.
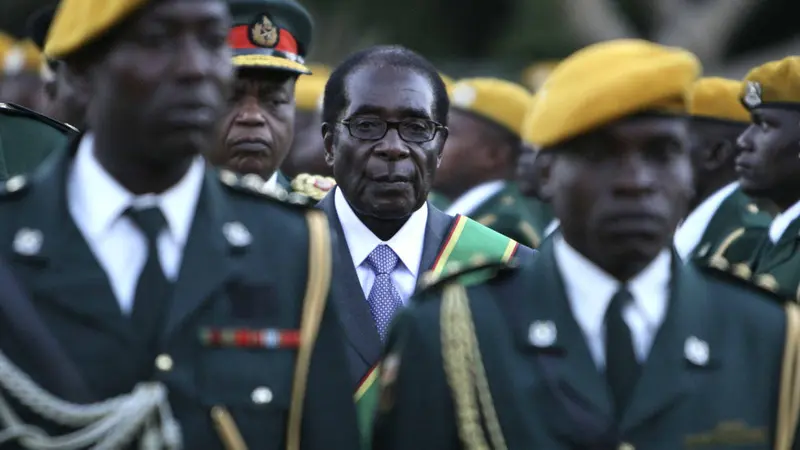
(153,290)
(622,368)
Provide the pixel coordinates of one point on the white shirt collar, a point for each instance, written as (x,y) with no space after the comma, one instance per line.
(590,288)
(407,242)
(782,221)
(473,198)
(690,232)
(272,182)
(99,200)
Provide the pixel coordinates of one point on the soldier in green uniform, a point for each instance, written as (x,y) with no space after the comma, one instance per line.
(189,296)
(720,213)
(270,39)
(606,340)
(768,167)
(480,157)
(23,73)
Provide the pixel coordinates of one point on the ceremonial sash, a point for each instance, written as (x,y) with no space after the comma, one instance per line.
(467,242)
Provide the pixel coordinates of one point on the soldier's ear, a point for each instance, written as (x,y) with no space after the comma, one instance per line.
(543,170)
(718,154)
(327,141)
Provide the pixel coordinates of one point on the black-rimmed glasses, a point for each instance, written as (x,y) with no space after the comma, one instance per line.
(410,130)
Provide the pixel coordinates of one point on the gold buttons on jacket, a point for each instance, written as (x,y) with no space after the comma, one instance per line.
(164,362)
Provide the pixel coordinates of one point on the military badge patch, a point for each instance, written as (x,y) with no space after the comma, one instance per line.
(264,33)
(752,96)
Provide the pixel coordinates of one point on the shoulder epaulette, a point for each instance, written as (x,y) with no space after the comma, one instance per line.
(14,186)
(456,272)
(314,186)
(256,186)
(17,110)
(740,274)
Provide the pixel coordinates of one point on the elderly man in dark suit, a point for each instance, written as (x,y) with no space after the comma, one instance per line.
(385,115)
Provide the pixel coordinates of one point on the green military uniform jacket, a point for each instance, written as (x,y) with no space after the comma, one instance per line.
(27,138)
(710,381)
(775,267)
(734,232)
(507,212)
(245,267)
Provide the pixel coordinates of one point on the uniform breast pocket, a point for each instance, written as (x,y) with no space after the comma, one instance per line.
(254,385)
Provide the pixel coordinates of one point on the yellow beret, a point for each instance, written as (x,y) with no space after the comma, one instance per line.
(20,57)
(605,82)
(79,22)
(534,76)
(717,98)
(500,101)
(774,82)
(309,91)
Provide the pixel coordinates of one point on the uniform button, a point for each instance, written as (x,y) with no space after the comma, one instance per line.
(164,362)
(626,446)
(261,395)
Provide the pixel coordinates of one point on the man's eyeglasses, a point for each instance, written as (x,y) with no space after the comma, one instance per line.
(410,130)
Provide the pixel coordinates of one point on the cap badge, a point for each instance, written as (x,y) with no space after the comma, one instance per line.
(264,33)
(463,95)
(752,96)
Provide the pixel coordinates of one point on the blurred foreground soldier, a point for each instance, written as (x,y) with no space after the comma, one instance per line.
(269,39)
(720,213)
(23,73)
(64,102)
(308,152)
(480,157)
(769,167)
(605,340)
(385,116)
(192,298)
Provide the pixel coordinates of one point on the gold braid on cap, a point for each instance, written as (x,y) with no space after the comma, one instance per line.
(466,374)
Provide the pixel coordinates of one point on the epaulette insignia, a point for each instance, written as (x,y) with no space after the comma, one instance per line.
(255,185)
(314,186)
(14,185)
(741,274)
(454,271)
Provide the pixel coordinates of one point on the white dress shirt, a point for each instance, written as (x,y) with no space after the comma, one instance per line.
(97,203)
(406,243)
(272,182)
(551,227)
(690,231)
(469,201)
(782,221)
(590,290)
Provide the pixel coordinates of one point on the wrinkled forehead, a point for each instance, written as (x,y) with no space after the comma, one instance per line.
(389,92)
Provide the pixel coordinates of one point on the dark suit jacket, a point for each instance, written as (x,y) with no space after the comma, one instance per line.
(256,285)
(364,344)
(554,397)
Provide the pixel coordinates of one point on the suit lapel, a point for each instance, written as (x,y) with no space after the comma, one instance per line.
(66,271)
(436,230)
(353,308)
(670,367)
(209,260)
(565,360)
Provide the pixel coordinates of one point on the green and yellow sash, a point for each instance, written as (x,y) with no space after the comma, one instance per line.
(468,242)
